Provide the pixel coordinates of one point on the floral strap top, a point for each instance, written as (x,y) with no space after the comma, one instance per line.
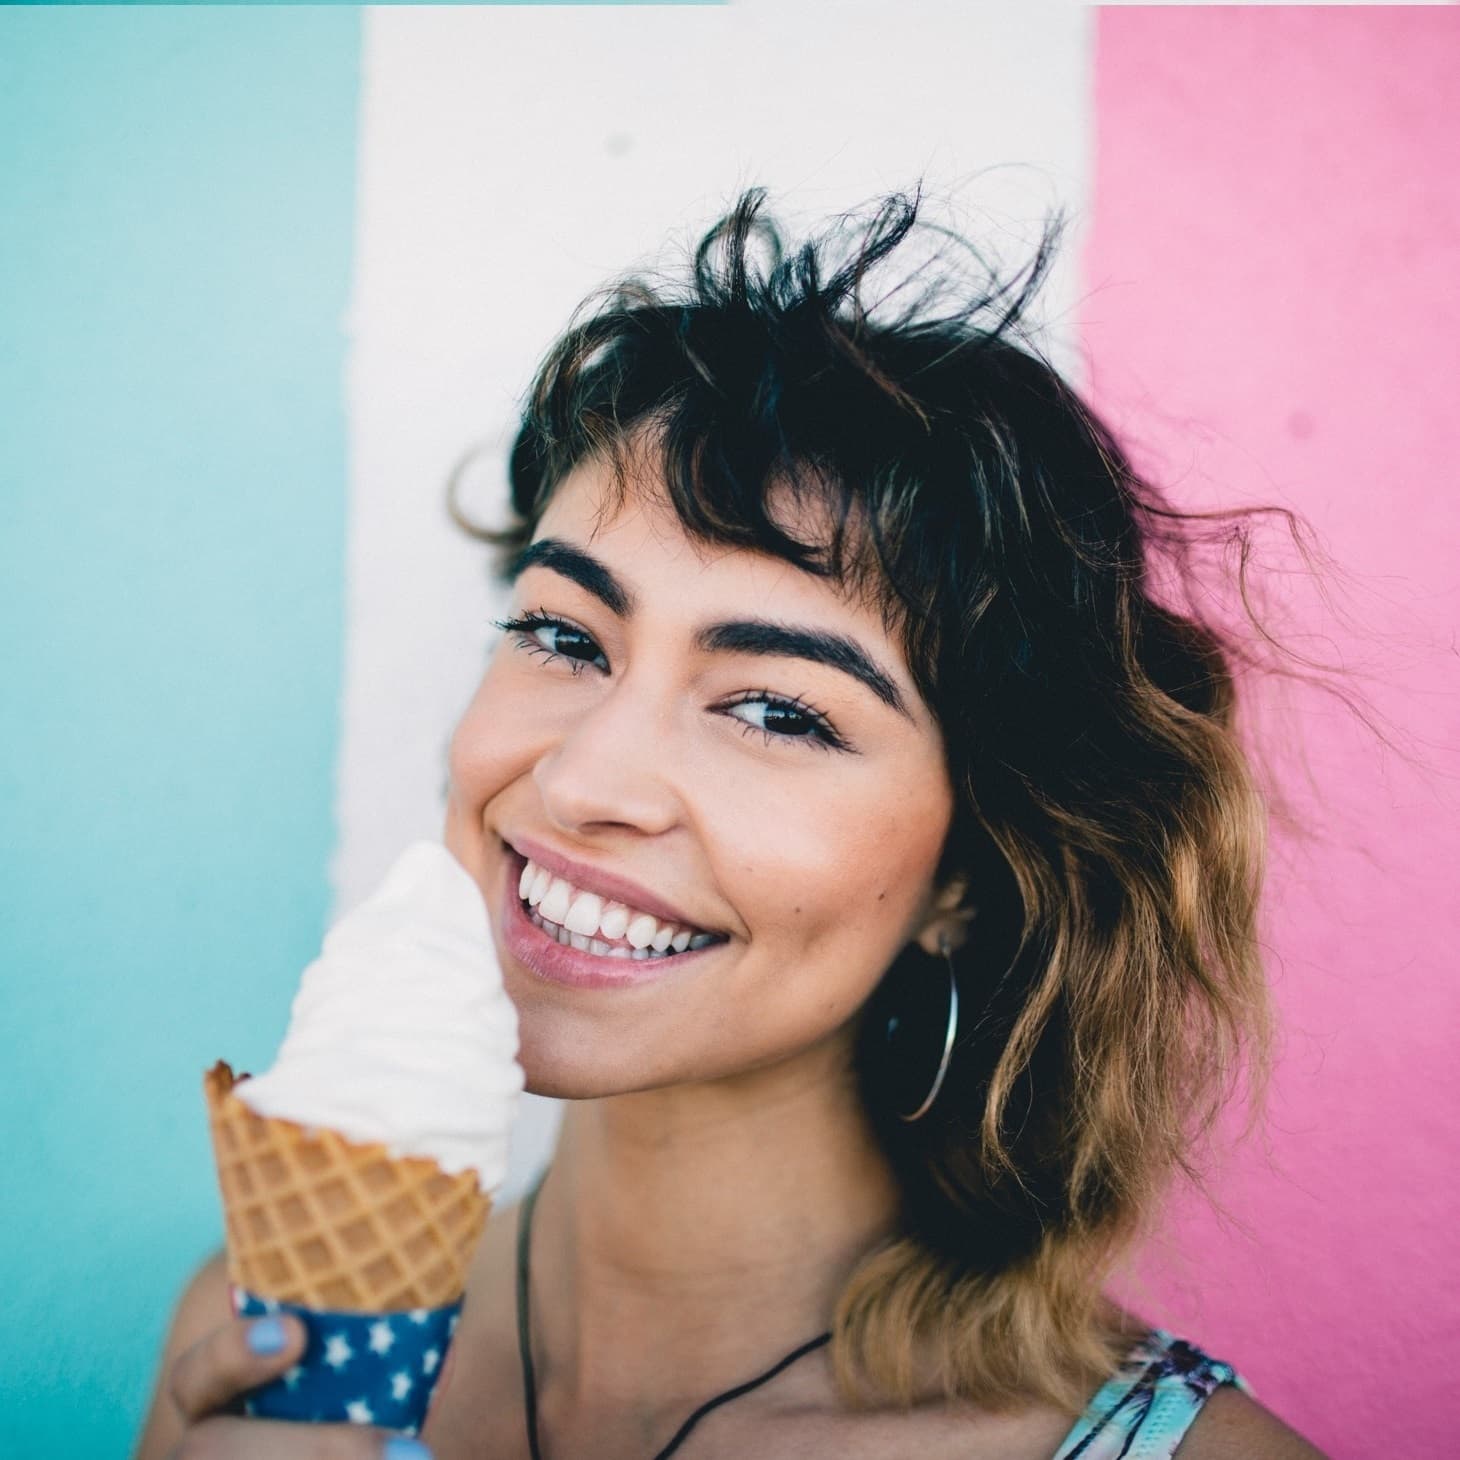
(1145,1409)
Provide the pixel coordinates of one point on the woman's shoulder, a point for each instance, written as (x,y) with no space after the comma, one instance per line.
(1168,1399)
(1232,1425)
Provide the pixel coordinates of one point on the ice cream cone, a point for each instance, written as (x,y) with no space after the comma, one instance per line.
(328,1223)
(357,1171)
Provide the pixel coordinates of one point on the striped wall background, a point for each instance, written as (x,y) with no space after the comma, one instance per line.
(266,273)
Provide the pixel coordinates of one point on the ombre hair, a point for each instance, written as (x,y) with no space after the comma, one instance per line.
(1107,818)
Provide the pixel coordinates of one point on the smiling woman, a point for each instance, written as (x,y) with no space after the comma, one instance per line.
(875,865)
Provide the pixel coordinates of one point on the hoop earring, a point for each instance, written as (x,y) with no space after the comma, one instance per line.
(945,948)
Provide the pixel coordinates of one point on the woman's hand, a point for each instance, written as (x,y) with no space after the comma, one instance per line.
(207,1384)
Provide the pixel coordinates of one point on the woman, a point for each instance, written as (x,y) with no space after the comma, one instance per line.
(835,650)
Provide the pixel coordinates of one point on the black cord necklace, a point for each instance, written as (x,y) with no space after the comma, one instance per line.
(529,1383)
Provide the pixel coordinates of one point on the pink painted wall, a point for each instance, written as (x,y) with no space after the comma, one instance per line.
(1272,311)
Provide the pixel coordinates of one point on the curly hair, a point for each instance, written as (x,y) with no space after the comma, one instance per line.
(1107,817)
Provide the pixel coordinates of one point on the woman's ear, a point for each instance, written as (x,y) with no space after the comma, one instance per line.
(948,918)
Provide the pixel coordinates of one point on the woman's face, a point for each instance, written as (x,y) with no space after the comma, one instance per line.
(775,781)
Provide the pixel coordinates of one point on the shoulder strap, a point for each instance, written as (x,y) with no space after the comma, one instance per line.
(1145,1409)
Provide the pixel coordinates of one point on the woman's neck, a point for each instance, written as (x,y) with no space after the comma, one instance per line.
(687,1238)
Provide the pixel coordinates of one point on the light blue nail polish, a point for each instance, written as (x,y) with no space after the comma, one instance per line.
(267,1336)
(399,1447)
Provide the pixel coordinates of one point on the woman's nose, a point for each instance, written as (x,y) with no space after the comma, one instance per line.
(609,768)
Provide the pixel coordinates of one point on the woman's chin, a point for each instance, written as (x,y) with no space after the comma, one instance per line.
(557,1081)
(560,1071)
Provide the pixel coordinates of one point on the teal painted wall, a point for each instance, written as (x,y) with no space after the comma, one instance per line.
(175,245)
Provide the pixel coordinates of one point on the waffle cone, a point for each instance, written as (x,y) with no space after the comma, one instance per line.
(325,1222)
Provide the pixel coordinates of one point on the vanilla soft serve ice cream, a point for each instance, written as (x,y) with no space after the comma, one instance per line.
(401,1032)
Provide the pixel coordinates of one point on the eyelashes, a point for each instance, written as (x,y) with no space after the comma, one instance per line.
(781,718)
(775,708)
(526,628)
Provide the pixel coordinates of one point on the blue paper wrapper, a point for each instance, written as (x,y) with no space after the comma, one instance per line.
(357,1368)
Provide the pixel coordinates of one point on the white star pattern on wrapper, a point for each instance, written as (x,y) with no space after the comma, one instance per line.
(359,1366)
(419,1315)
(271,1305)
(451,1325)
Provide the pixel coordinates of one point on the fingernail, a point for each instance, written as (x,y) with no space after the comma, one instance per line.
(266,1336)
(398,1447)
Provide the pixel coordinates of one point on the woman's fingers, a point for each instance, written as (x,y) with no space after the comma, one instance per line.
(236,1357)
(265,1439)
(240,1356)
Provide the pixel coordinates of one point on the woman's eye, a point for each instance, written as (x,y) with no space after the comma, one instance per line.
(781,719)
(555,639)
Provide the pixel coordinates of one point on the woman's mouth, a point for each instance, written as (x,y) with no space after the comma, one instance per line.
(572,935)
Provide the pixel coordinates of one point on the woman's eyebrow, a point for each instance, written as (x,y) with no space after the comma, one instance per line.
(735,636)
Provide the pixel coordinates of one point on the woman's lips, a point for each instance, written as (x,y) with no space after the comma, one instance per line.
(576,967)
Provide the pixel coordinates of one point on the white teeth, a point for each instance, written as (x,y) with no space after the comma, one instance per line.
(614,921)
(554,907)
(587,920)
(641,930)
(584,914)
(605,950)
(561,935)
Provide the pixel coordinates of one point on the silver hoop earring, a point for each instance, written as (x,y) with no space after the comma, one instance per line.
(945,948)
